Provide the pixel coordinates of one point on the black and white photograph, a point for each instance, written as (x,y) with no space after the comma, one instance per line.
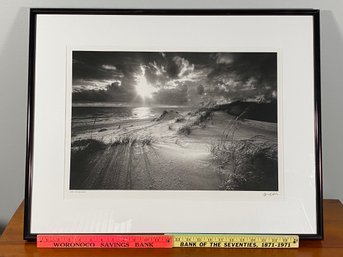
(174,121)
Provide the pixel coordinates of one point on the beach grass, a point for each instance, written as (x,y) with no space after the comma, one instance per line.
(185,130)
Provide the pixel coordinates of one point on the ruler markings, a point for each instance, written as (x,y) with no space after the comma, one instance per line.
(168,241)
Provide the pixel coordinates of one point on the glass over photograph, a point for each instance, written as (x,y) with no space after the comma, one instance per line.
(174,121)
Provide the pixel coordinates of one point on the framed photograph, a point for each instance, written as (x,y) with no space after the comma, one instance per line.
(174,121)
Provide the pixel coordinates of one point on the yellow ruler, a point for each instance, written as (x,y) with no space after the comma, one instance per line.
(235,241)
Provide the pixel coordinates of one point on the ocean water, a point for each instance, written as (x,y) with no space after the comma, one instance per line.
(98,114)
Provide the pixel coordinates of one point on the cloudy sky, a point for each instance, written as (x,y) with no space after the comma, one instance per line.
(173,78)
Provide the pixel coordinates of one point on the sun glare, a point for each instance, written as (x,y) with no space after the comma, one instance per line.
(143,87)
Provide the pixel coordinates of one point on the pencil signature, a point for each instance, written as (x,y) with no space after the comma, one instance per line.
(271,194)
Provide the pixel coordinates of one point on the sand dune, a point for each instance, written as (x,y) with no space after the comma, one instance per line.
(169,152)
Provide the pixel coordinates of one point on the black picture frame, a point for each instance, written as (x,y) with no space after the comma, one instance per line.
(315,14)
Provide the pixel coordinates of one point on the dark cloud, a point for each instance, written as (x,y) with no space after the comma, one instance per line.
(175,96)
(112,93)
(177,77)
(245,75)
(83,69)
